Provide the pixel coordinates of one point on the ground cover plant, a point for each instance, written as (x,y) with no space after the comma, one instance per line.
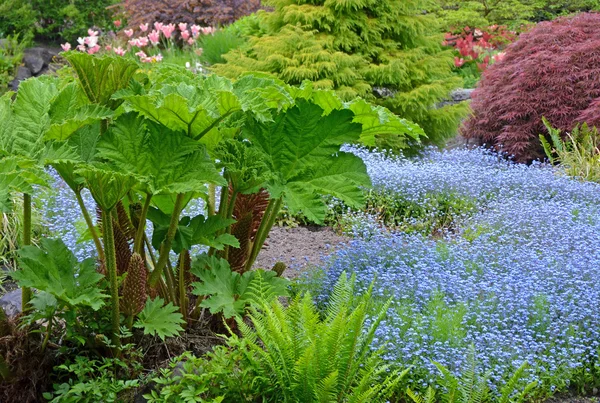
(514,281)
(556,81)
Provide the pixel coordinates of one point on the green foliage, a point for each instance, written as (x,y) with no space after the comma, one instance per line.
(385,52)
(52,268)
(299,356)
(196,231)
(94,380)
(216,45)
(160,320)
(456,14)
(577,153)
(165,161)
(472,387)
(304,169)
(438,214)
(100,78)
(230,293)
(218,376)
(54,19)
(11,54)
(144,146)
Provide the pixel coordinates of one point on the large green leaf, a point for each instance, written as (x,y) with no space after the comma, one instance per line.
(101,77)
(160,320)
(54,269)
(29,118)
(195,231)
(377,122)
(166,160)
(302,145)
(18,175)
(71,110)
(230,293)
(198,106)
(83,145)
(107,187)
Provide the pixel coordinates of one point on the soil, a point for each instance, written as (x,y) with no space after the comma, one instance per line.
(300,248)
(571,399)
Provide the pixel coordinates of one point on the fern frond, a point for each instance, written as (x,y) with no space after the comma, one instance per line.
(507,390)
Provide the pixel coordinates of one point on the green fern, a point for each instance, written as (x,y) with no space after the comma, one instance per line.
(510,392)
(577,152)
(307,358)
(429,396)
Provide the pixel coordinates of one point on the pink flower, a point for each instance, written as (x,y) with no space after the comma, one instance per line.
(142,41)
(190,41)
(141,54)
(167,30)
(182,26)
(81,48)
(158,26)
(128,32)
(185,34)
(108,47)
(144,27)
(154,37)
(117,23)
(120,51)
(207,30)
(133,42)
(499,56)
(195,30)
(66,47)
(157,58)
(459,62)
(93,49)
(91,41)
(91,32)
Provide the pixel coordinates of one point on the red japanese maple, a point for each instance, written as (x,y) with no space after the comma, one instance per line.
(551,71)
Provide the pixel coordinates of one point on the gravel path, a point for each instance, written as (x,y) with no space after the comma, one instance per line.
(299,248)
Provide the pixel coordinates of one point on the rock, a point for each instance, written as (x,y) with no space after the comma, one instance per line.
(11,303)
(34,62)
(382,92)
(461,94)
(44,54)
(23,73)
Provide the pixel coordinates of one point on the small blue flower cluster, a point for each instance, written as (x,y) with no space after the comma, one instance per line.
(519,280)
(63,218)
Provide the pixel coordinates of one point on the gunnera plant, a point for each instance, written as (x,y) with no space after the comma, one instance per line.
(551,71)
(387,52)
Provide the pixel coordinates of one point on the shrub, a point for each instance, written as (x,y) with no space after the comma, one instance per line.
(203,12)
(385,52)
(54,19)
(476,49)
(11,54)
(514,13)
(551,71)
